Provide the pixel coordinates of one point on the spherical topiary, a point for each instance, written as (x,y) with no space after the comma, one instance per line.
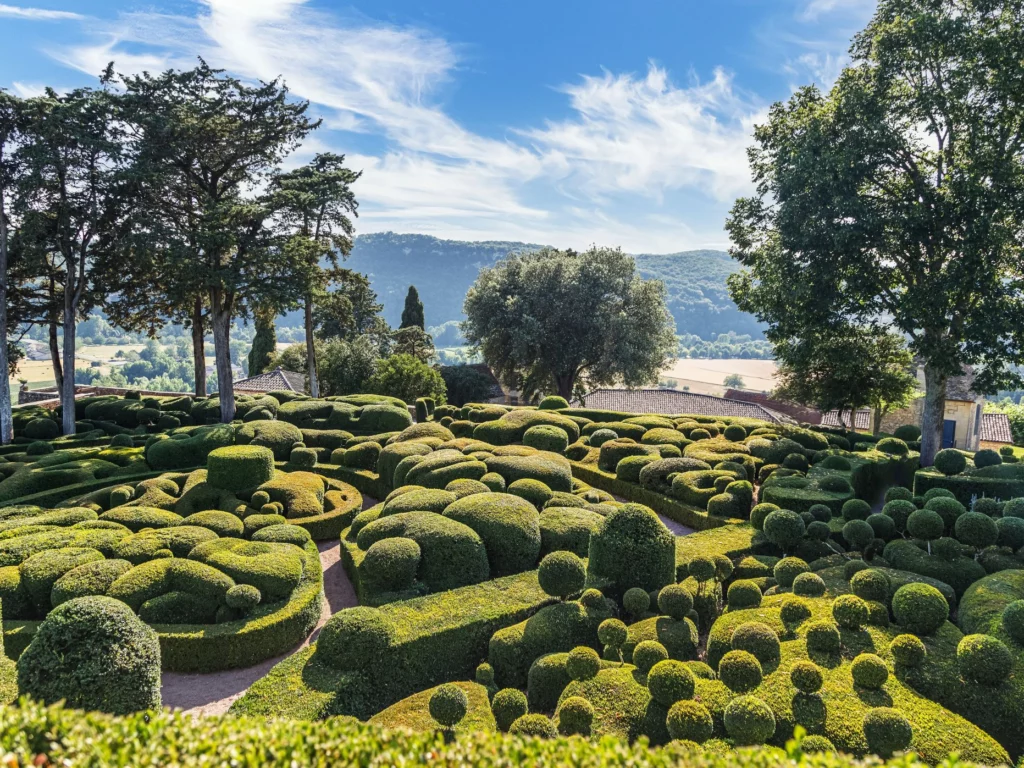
(602,436)
(794,611)
(787,569)
(648,653)
(856,509)
(908,432)
(749,721)
(243,597)
(675,601)
(355,638)
(1014,508)
(976,530)
(391,564)
(96,654)
(887,730)
(869,671)
(850,611)
(893,446)
(41,429)
(984,659)
(938,493)
(508,705)
(1013,620)
(538,726)
(632,548)
(757,638)
(871,584)
(925,524)
(809,585)
(898,492)
(784,529)
(592,598)
(796,461)
(858,534)
(908,650)
(701,569)
(613,633)
(760,512)
(448,704)
(582,663)
(740,671)
(986,457)
(950,461)
(689,721)
(883,526)
(900,511)
(636,601)
(546,437)
(986,505)
(494,481)
(816,743)
(669,681)
(743,593)
(484,674)
(806,676)
(919,608)
(562,574)
(823,637)
(851,567)
(575,716)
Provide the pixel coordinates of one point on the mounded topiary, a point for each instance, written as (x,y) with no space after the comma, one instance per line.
(887,731)
(976,530)
(648,653)
(858,534)
(760,512)
(448,705)
(689,720)
(806,676)
(850,611)
(582,663)
(893,446)
(809,585)
(950,461)
(633,548)
(871,584)
(636,601)
(869,671)
(740,671)
(823,637)
(538,726)
(238,467)
(749,721)
(243,598)
(908,650)
(908,432)
(787,569)
(984,659)
(856,509)
(758,639)
(391,564)
(675,601)
(919,608)
(743,593)
(784,529)
(575,716)
(612,633)
(546,437)
(96,654)
(986,457)
(562,574)
(1013,620)
(508,705)
(670,681)
(794,611)
(355,638)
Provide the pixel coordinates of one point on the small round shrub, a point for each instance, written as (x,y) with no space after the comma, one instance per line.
(743,593)
(820,512)
(612,633)
(735,433)
(858,534)
(887,730)
(39,448)
(760,512)
(448,704)
(806,676)
(636,601)
(986,505)
(701,569)
(602,436)
(852,567)
(796,461)
(592,598)
(41,429)
(355,638)
(787,569)
(562,574)
(900,511)
(976,530)
(946,548)
(675,601)
(494,481)
(883,526)
(632,548)
(870,584)
(749,721)
(823,637)
(546,437)
(740,671)
(950,461)
(925,524)
(816,743)
(1013,620)
(869,671)
(984,659)
(552,403)
(582,663)
(809,585)
(986,457)
(484,674)
(243,598)
(794,611)
(391,564)
(894,446)
(898,492)
(575,716)
(648,653)
(757,638)
(908,650)
(784,529)
(856,509)
(699,434)
(508,705)
(670,681)
(908,432)
(689,721)
(850,611)
(538,726)
(919,608)
(938,493)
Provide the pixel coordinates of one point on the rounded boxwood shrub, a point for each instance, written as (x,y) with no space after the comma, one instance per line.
(743,593)
(908,650)
(986,457)
(238,467)
(858,534)
(749,721)
(784,529)
(760,512)
(546,437)
(893,446)
(552,403)
(823,637)
(850,611)
(494,481)
(508,525)
(648,653)
(984,659)
(92,578)
(562,574)
(636,601)
(898,492)
(887,730)
(1013,620)
(224,524)
(689,720)
(986,505)
(534,491)
(806,676)
(820,512)
(391,564)
(575,716)
(670,681)
(95,654)
(900,511)
(41,429)
(633,548)
(883,526)
(355,638)
(243,598)
(925,524)
(908,432)
(871,584)
(976,530)
(630,468)
(602,436)
(856,509)
(950,461)
(787,569)
(612,633)
(508,705)
(448,704)
(757,638)
(794,611)
(740,671)
(869,671)
(582,663)
(809,585)
(919,608)
(538,726)
(675,601)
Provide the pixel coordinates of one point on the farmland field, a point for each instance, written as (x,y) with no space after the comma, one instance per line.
(708,376)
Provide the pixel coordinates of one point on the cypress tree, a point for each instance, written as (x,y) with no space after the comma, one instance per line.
(264,343)
(412,315)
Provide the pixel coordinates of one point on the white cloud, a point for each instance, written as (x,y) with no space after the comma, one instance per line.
(27,90)
(815,9)
(37,14)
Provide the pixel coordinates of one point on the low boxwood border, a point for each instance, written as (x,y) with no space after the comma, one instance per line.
(364,481)
(964,487)
(51,498)
(214,647)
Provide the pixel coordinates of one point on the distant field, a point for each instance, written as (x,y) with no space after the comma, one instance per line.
(708,376)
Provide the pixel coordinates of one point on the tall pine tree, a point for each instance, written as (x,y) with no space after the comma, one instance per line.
(412,315)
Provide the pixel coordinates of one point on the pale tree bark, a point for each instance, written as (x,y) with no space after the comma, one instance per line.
(58,369)
(314,382)
(220,313)
(198,347)
(933,413)
(6,415)
(67,389)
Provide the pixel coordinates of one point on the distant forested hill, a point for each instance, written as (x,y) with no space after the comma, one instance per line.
(443,270)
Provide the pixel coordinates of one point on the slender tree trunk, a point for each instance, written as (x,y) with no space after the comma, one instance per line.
(6,416)
(198,347)
(877,414)
(67,390)
(933,413)
(220,313)
(58,370)
(314,382)
(565,385)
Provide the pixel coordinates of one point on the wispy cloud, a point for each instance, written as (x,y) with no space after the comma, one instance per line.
(37,14)
(815,9)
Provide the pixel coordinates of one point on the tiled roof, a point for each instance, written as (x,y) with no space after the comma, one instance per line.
(798,412)
(862,419)
(672,402)
(276,379)
(995,428)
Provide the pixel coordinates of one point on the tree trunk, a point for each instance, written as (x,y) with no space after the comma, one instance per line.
(314,383)
(876,418)
(58,370)
(198,347)
(565,385)
(220,312)
(933,414)
(6,416)
(67,390)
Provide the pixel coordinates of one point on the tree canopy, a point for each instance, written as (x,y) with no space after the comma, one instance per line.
(568,322)
(412,313)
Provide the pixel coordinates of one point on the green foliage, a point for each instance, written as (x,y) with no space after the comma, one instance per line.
(264,343)
(448,705)
(508,526)
(919,608)
(508,705)
(632,548)
(869,671)
(950,461)
(582,663)
(740,671)
(391,564)
(984,659)
(887,730)
(355,638)
(407,378)
(806,676)
(412,313)
(648,653)
(689,721)
(749,720)
(561,574)
(908,650)
(575,716)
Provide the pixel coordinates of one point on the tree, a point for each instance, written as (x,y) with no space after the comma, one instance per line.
(734,380)
(412,313)
(413,340)
(898,197)
(348,308)
(264,343)
(345,366)
(405,377)
(466,384)
(10,108)
(313,205)
(847,368)
(211,140)
(569,321)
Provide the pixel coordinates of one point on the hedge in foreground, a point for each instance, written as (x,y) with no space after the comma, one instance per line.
(33,735)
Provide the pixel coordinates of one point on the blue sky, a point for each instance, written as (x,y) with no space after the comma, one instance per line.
(562,122)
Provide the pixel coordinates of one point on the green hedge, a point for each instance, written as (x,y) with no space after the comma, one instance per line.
(966,486)
(57,496)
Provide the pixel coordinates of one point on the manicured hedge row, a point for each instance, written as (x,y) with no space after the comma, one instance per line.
(964,487)
(366,482)
(733,541)
(34,735)
(55,497)
(213,647)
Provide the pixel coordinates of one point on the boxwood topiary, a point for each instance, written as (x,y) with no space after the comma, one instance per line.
(749,721)
(508,526)
(632,548)
(787,569)
(743,593)
(582,663)
(887,730)
(919,608)
(893,446)
(239,467)
(950,461)
(535,725)
(757,638)
(648,653)
(856,509)
(823,637)
(806,676)
(448,704)
(508,705)
(984,659)
(88,579)
(809,585)
(575,716)
(562,574)
(871,584)
(355,638)
(976,530)
(1013,620)
(908,650)
(784,529)
(869,671)
(689,721)
(740,671)
(850,611)
(670,681)
(546,437)
(986,457)
(391,564)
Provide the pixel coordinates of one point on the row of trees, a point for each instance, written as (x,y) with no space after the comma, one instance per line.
(162,199)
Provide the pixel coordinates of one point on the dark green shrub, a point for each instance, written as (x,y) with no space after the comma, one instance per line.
(391,564)
(648,653)
(41,429)
(787,569)
(508,705)
(743,593)
(809,585)
(986,457)
(887,730)
(632,548)
(243,598)
(546,437)
(508,525)
(984,659)
(760,512)
(1013,620)
(784,529)
(675,601)
(950,461)
(355,638)
(537,726)
(689,721)
(794,612)
(900,511)
(602,436)
(448,704)
(41,571)
(900,493)
(636,601)
(239,467)
(856,509)
(582,663)
(533,491)
(670,681)
(575,716)
(908,432)
(806,676)
(925,524)
(883,526)
(553,403)
(749,721)
(869,671)
(850,611)
(893,446)
(484,674)
(362,456)
(823,637)
(908,650)
(988,506)
(92,578)
(612,633)
(95,654)
(562,574)
(757,638)
(871,584)
(224,524)
(796,461)
(976,530)
(919,608)
(740,671)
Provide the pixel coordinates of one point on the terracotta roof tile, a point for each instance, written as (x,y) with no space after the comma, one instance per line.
(995,428)
(673,402)
(273,380)
(862,419)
